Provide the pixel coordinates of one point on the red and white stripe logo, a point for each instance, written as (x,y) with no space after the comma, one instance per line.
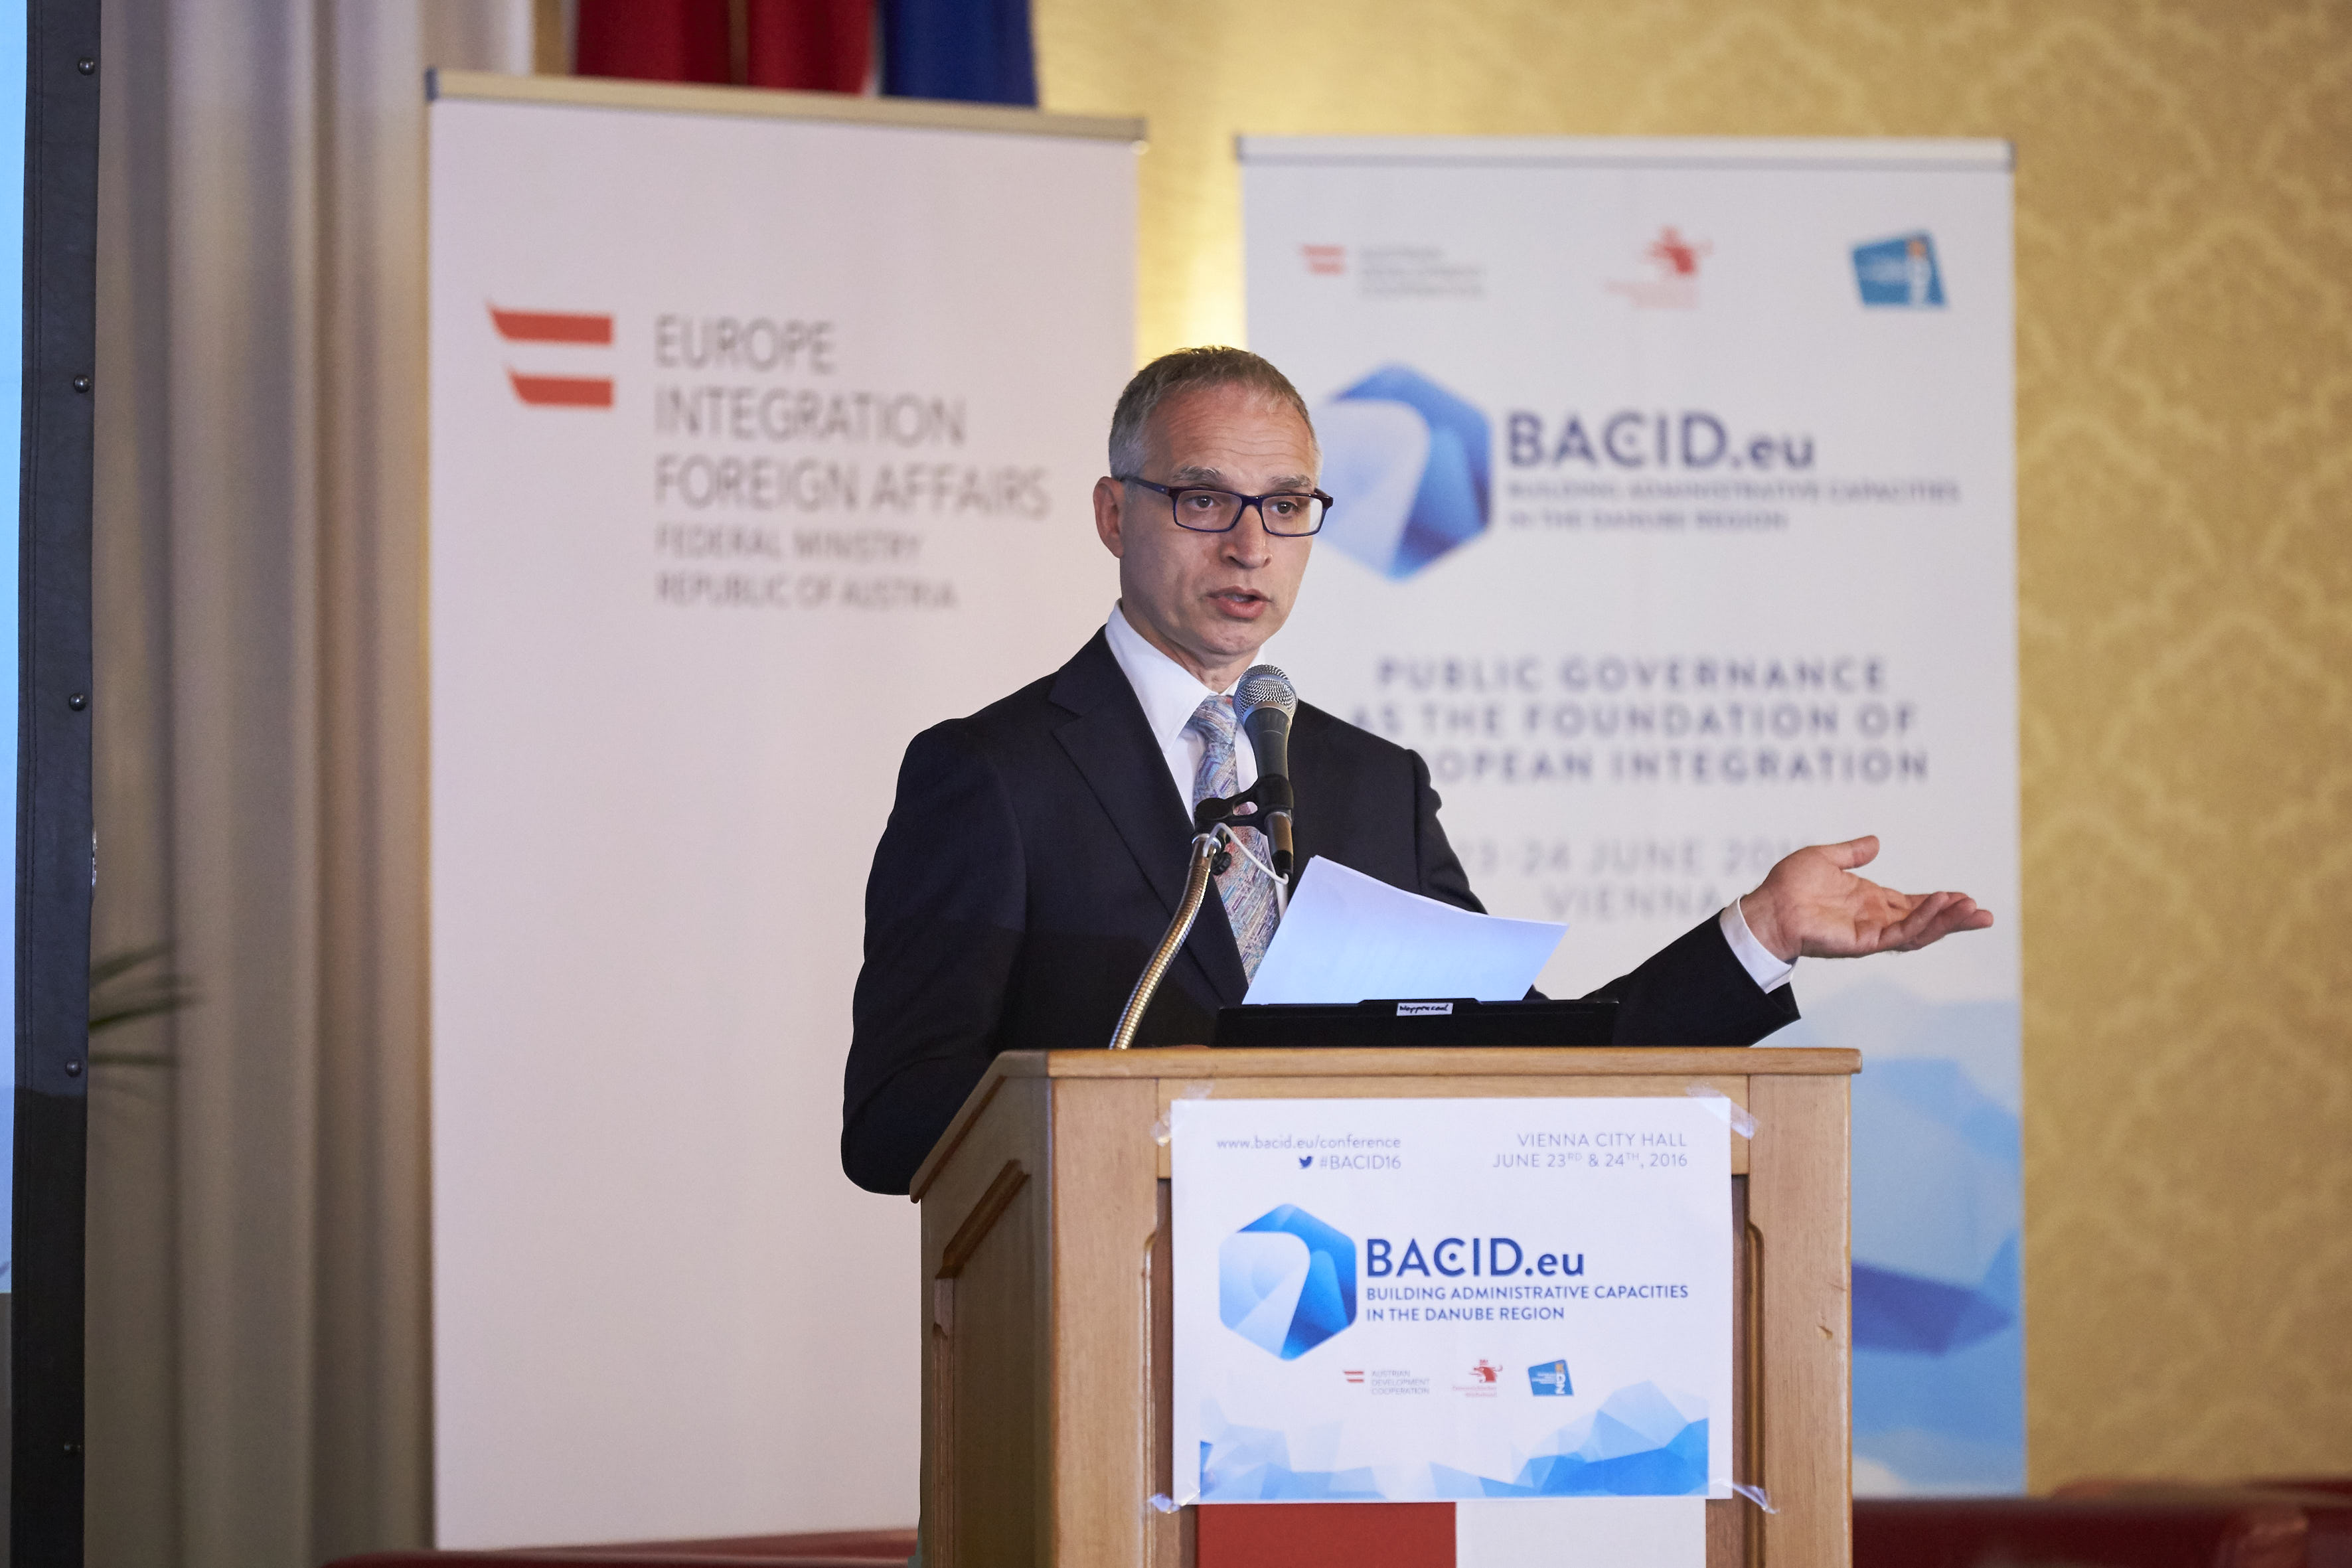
(574,328)
(1324,260)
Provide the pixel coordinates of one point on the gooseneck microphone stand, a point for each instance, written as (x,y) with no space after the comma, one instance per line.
(1210,857)
(1213,851)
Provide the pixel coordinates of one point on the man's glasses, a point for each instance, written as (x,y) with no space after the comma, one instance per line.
(1291,514)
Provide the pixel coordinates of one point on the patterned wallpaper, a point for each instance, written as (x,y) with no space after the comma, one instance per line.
(2184,234)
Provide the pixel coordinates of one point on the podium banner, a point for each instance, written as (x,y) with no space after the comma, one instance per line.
(1675,526)
(1412,1301)
(760,442)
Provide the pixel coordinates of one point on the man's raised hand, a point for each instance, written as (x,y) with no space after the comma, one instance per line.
(1811,905)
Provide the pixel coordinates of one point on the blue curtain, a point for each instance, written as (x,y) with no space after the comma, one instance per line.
(976,51)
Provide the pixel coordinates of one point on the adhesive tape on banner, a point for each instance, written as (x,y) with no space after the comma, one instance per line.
(1165,1128)
(1727,1110)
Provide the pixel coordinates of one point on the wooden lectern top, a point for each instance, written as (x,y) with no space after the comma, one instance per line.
(1447,1072)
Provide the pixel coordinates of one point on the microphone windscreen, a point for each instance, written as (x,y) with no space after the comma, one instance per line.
(1264,686)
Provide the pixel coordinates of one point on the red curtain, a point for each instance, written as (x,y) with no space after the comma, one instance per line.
(655,40)
(811,45)
(820,46)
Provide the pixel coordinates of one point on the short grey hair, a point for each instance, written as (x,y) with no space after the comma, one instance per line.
(1192,370)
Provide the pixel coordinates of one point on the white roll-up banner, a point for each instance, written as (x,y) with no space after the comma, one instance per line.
(758,444)
(1676,527)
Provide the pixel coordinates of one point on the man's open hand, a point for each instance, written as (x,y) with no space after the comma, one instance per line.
(1813,906)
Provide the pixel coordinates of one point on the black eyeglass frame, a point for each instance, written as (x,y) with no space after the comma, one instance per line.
(1175,512)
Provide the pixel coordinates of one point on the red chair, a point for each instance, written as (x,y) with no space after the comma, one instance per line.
(2326,1502)
(2078,1532)
(850,1549)
(2304,1523)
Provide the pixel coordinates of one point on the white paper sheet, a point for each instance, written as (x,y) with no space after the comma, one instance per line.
(1348,937)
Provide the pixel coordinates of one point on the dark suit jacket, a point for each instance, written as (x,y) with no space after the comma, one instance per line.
(1034,854)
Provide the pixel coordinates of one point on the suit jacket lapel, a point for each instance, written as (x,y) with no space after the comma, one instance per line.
(1113,749)
(1307,772)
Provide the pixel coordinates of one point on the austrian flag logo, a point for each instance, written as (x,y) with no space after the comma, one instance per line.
(537,387)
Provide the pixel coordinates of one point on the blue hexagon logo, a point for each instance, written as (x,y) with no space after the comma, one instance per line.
(1287,1281)
(1410,469)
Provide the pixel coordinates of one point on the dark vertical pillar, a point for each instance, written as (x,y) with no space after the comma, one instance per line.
(56,856)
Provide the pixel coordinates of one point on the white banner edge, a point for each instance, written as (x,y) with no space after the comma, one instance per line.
(443,83)
(1972,154)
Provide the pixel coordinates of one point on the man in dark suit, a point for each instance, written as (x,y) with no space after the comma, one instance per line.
(1037,848)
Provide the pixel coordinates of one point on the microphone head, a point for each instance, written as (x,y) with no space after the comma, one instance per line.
(1264,686)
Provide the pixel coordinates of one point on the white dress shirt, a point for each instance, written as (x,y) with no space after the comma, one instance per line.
(1170,695)
(1764,966)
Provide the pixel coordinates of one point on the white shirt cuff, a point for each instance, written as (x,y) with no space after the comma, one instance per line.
(1763,966)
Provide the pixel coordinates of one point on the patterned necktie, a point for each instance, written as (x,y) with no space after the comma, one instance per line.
(1246,887)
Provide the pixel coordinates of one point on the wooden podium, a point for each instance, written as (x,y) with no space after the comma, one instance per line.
(1047,1314)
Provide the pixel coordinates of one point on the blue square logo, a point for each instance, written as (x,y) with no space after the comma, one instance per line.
(1900,272)
(1550,1379)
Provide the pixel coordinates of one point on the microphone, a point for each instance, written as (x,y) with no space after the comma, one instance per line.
(1265,703)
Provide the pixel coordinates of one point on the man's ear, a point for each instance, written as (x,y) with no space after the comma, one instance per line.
(1110,498)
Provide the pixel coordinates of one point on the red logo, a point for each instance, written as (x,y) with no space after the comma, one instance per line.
(1324,260)
(576,328)
(1676,285)
(1486,1370)
(1676,256)
(1352,1375)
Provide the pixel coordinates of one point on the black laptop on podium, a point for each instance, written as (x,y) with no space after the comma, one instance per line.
(1440,1021)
